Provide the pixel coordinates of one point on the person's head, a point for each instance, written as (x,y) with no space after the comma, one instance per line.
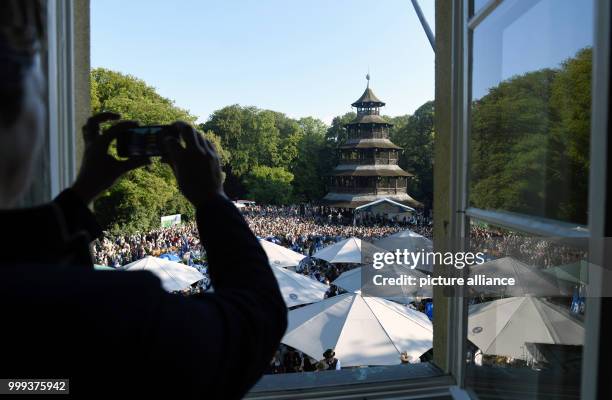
(329,354)
(22,90)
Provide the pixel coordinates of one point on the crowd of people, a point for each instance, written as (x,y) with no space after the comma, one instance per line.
(287,359)
(306,229)
(302,228)
(538,251)
(119,250)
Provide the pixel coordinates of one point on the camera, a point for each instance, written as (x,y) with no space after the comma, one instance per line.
(144,141)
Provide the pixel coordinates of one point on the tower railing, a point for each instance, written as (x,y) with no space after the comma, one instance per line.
(369,161)
(368,190)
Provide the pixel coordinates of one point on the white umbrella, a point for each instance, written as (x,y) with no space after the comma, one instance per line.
(528,279)
(347,251)
(349,280)
(280,256)
(352,281)
(298,289)
(361,330)
(503,327)
(407,240)
(174,276)
(575,273)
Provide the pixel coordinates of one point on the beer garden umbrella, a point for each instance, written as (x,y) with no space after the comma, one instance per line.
(528,279)
(361,330)
(507,327)
(280,256)
(576,273)
(347,251)
(298,289)
(99,267)
(352,281)
(174,276)
(407,240)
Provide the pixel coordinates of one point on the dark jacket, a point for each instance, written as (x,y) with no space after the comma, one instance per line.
(119,332)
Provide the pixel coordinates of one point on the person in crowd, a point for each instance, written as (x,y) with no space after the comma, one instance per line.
(322,366)
(70,321)
(276,364)
(329,358)
(331,292)
(292,360)
(310,364)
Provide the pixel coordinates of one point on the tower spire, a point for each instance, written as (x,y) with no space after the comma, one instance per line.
(368,77)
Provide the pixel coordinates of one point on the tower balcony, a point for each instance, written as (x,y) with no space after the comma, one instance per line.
(368,189)
(369,161)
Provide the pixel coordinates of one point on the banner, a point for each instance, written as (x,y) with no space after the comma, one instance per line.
(170,220)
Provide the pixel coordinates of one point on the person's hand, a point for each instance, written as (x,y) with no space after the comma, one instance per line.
(99,170)
(196,166)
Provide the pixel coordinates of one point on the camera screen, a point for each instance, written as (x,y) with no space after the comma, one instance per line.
(144,141)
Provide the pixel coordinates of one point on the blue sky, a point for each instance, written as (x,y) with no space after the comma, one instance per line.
(303,58)
(516,39)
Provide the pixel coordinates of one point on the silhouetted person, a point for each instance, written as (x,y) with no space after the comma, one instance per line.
(329,358)
(119,333)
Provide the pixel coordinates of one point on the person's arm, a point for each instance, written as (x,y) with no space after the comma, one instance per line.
(76,216)
(251,315)
(237,329)
(98,171)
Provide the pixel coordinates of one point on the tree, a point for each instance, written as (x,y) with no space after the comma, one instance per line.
(141,197)
(270,185)
(415,135)
(133,99)
(571,132)
(253,137)
(310,165)
(530,143)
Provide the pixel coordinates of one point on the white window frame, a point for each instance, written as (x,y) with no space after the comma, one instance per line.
(61,107)
(459,221)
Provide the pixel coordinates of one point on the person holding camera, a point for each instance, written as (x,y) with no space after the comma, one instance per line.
(114,333)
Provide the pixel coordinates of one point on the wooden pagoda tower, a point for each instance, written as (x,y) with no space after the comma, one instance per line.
(368,170)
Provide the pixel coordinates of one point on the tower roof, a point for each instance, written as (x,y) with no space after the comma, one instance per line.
(368,98)
(369,119)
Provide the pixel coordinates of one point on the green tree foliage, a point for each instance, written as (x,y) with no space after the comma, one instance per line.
(270,185)
(415,134)
(337,134)
(266,155)
(254,137)
(335,137)
(310,165)
(530,143)
(133,99)
(141,197)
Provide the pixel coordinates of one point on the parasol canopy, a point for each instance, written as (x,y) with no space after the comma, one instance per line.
(361,330)
(280,256)
(347,251)
(298,289)
(174,276)
(507,326)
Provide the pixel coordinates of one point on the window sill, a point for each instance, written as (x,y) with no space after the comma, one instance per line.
(423,380)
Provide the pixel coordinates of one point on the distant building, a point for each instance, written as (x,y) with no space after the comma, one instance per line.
(368,170)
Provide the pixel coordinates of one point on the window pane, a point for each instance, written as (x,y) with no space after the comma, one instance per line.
(530,111)
(477,5)
(534,340)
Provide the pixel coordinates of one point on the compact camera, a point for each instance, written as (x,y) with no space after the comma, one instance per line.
(144,141)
